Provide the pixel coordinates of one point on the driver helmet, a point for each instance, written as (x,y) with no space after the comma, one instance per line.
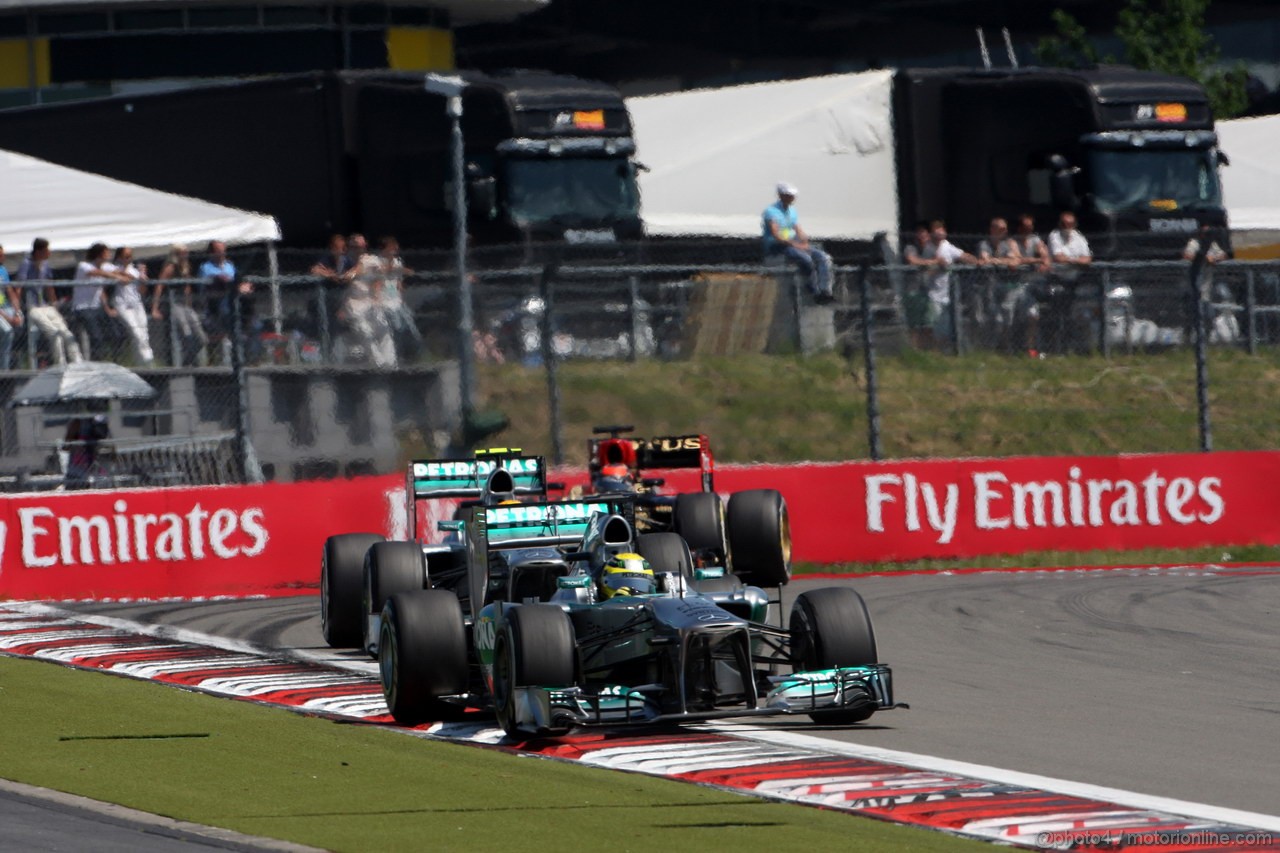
(627,574)
(615,477)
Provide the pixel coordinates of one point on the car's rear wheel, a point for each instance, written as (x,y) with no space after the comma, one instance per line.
(831,628)
(341,588)
(390,568)
(666,552)
(760,537)
(422,655)
(700,519)
(535,647)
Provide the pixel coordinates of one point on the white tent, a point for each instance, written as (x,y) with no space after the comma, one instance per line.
(74,209)
(715,156)
(1251,184)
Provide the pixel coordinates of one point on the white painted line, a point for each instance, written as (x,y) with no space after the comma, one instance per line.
(1133,799)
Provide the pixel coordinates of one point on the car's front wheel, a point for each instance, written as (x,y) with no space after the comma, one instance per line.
(831,628)
(534,648)
(422,655)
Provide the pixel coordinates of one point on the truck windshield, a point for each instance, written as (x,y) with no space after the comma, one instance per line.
(1146,179)
(571,192)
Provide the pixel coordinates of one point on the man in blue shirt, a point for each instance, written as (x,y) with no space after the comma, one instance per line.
(784,236)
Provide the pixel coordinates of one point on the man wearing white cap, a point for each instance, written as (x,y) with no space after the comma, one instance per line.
(784,236)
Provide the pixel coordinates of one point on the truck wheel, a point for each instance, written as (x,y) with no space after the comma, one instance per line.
(535,647)
(699,518)
(666,552)
(341,588)
(760,537)
(422,655)
(830,627)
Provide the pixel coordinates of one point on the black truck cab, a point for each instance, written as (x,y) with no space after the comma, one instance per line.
(1132,153)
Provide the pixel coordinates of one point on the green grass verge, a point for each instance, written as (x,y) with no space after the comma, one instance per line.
(271,772)
(786,408)
(783,408)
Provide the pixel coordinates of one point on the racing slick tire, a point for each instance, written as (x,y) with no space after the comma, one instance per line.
(830,627)
(666,552)
(700,519)
(342,588)
(389,568)
(760,537)
(392,567)
(422,655)
(534,646)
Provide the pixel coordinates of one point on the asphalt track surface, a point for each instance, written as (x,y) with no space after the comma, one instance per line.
(1160,682)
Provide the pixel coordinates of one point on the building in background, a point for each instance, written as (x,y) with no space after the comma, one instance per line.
(56,50)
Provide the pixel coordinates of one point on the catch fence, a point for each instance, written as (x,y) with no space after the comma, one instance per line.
(1027,343)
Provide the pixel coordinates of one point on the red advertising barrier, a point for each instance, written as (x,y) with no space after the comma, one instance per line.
(868,512)
(266,540)
(156,543)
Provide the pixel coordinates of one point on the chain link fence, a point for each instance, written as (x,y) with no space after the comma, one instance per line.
(291,375)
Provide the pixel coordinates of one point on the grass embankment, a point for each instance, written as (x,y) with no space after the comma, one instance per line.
(270,772)
(786,409)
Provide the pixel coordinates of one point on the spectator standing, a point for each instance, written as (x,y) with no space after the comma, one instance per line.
(998,252)
(1025,322)
(944,254)
(10,316)
(916,308)
(219,275)
(90,308)
(187,325)
(334,263)
(367,334)
(783,237)
(403,328)
(39,304)
(1071,257)
(357,248)
(129,304)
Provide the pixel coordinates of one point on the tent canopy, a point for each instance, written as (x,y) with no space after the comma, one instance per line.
(715,156)
(74,210)
(1251,184)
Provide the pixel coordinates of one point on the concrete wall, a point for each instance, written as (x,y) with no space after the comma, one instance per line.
(303,421)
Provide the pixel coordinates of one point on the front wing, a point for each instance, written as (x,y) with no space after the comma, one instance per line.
(841,689)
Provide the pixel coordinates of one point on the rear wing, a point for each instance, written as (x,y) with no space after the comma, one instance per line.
(468,478)
(664,451)
(541,524)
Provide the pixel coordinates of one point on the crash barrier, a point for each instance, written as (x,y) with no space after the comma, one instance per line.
(267,540)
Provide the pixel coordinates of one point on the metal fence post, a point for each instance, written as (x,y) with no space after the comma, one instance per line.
(953,285)
(322,312)
(1104,287)
(1202,367)
(869,355)
(1250,312)
(175,339)
(550,362)
(250,470)
(633,282)
(796,310)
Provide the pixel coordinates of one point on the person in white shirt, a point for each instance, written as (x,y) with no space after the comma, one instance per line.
(945,254)
(129,304)
(1067,245)
(1071,257)
(89,305)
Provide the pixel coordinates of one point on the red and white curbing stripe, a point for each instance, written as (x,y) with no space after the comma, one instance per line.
(964,799)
